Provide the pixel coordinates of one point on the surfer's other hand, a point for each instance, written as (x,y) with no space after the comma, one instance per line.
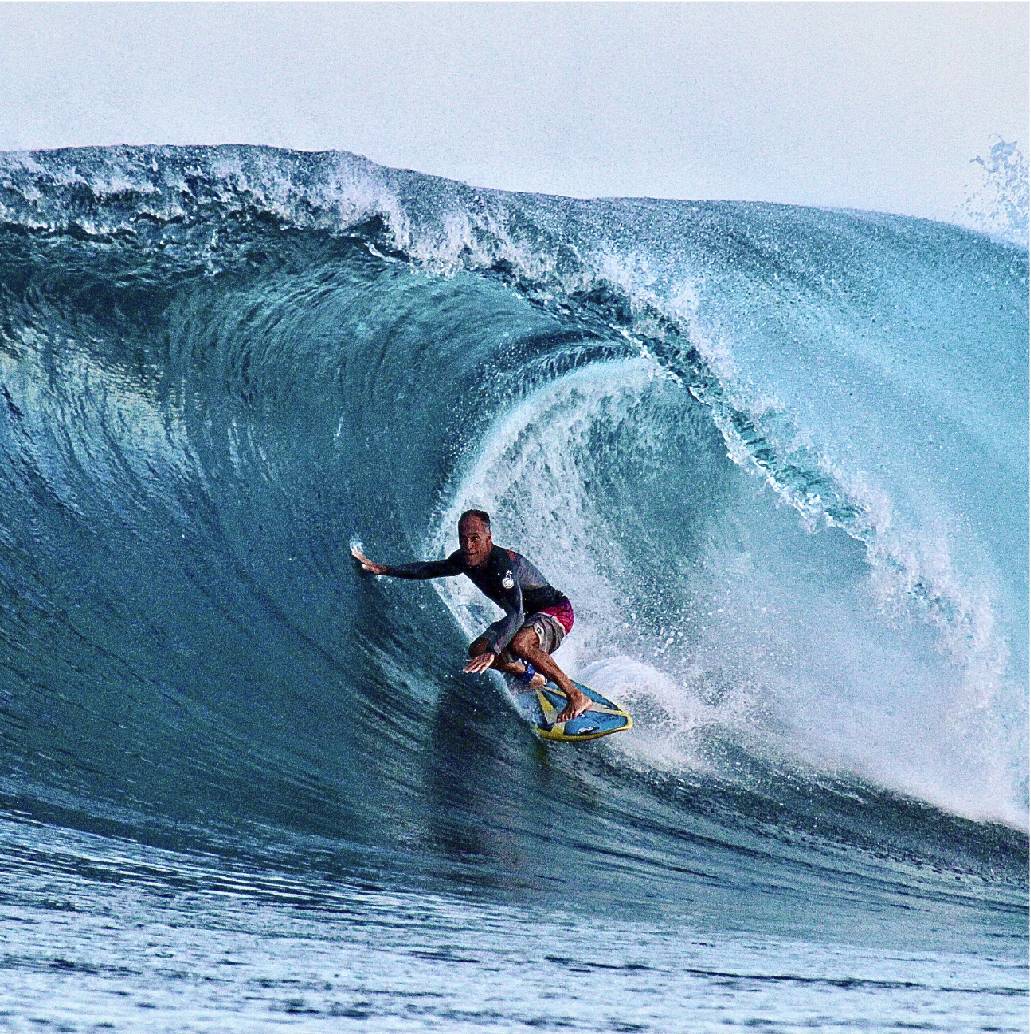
(481,662)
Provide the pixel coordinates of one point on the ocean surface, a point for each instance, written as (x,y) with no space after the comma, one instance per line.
(777,456)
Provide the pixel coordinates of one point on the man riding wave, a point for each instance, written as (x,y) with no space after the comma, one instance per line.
(537,616)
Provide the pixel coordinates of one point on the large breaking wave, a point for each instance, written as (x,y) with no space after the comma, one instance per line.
(776,456)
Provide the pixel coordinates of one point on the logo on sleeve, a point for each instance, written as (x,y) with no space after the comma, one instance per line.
(508,581)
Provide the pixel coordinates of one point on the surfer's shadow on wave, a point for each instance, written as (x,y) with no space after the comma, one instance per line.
(485,779)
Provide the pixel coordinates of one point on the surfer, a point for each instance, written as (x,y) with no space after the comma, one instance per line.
(537,616)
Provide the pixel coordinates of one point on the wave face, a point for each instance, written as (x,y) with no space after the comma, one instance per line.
(776,456)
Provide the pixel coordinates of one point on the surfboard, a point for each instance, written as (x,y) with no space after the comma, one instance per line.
(541,707)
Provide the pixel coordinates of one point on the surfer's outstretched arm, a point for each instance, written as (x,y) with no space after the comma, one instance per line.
(420,569)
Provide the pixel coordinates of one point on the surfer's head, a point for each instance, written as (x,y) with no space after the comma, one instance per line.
(474,536)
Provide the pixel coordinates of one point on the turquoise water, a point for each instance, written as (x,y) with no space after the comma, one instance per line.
(776,456)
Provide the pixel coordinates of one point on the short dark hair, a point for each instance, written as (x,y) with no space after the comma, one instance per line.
(480,515)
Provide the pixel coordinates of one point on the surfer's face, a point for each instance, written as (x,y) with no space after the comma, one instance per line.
(474,540)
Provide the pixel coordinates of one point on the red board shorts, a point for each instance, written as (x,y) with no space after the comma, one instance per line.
(552,625)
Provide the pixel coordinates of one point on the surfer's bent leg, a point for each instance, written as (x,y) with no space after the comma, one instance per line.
(526,644)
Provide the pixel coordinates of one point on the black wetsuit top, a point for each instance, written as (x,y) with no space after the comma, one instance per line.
(505,577)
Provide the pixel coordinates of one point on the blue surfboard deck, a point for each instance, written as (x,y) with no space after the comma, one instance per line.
(542,706)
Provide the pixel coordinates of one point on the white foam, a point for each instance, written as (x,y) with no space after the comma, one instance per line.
(847,682)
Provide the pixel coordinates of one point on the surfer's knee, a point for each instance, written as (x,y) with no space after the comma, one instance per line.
(525,643)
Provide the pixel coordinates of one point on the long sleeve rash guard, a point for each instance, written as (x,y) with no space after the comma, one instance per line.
(506,578)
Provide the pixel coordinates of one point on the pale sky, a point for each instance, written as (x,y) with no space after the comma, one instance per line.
(861,105)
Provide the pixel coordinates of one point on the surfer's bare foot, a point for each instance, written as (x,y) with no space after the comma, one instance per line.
(578,703)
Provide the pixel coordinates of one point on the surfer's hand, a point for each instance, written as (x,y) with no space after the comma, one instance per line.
(369,566)
(481,662)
